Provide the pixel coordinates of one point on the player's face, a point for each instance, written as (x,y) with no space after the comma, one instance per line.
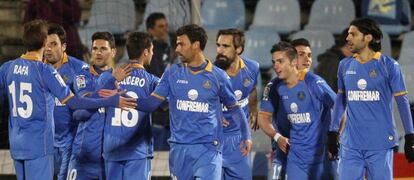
(54,49)
(304,57)
(226,52)
(102,53)
(185,50)
(356,40)
(148,57)
(160,29)
(282,65)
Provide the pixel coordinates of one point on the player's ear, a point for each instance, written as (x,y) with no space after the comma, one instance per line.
(294,62)
(64,47)
(368,37)
(113,52)
(196,45)
(239,50)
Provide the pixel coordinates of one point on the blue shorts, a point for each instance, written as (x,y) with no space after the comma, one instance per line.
(377,164)
(278,169)
(195,161)
(296,171)
(39,168)
(80,170)
(235,166)
(62,158)
(130,169)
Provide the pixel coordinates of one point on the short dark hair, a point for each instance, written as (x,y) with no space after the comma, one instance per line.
(58,30)
(369,26)
(107,36)
(34,34)
(300,42)
(152,18)
(136,43)
(238,37)
(286,47)
(194,33)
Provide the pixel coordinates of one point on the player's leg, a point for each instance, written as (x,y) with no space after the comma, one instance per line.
(137,168)
(208,162)
(19,167)
(65,153)
(278,169)
(39,168)
(351,164)
(379,164)
(180,163)
(235,166)
(114,169)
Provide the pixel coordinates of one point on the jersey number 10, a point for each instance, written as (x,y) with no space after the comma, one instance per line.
(128,118)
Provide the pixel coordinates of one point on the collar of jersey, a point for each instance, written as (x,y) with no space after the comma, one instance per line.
(376,56)
(31,57)
(208,68)
(65,59)
(136,65)
(242,65)
(93,71)
(302,73)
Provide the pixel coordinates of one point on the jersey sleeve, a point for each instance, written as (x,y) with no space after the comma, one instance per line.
(226,92)
(55,84)
(265,103)
(163,88)
(341,86)
(83,83)
(396,79)
(320,89)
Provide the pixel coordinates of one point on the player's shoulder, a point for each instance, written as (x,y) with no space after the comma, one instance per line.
(77,63)
(219,73)
(251,64)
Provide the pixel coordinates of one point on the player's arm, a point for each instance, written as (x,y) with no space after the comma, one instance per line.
(321,89)
(338,111)
(158,96)
(398,87)
(253,109)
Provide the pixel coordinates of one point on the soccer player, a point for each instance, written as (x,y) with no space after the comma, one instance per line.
(87,161)
(67,67)
(273,114)
(366,84)
(128,144)
(195,90)
(243,74)
(303,98)
(30,85)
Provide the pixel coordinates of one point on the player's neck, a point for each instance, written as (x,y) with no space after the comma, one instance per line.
(234,66)
(293,79)
(137,61)
(365,54)
(198,60)
(38,54)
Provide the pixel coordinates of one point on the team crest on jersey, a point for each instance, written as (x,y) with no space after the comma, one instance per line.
(362,84)
(373,73)
(238,94)
(207,84)
(294,107)
(80,81)
(246,82)
(192,94)
(301,95)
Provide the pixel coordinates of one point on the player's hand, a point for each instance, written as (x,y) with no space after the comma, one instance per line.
(225,123)
(109,92)
(127,103)
(254,125)
(283,144)
(333,144)
(120,73)
(409,147)
(245,147)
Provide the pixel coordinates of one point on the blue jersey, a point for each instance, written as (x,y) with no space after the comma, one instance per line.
(127,134)
(270,103)
(29,83)
(64,126)
(305,104)
(368,89)
(87,145)
(195,100)
(243,83)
